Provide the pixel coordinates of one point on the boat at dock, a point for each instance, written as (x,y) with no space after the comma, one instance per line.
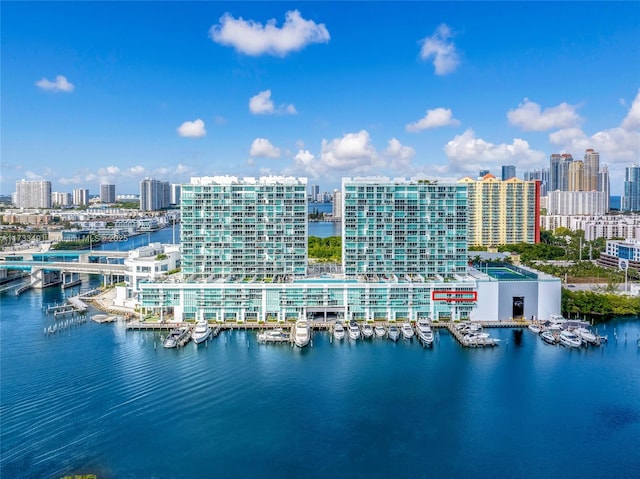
(548,337)
(276,335)
(585,335)
(380,331)
(570,339)
(301,333)
(535,328)
(354,330)
(177,337)
(425,334)
(367,331)
(407,330)
(338,331)
(201,332)
(393,332)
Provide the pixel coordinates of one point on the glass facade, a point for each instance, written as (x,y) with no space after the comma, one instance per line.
(244,229)
(398,228)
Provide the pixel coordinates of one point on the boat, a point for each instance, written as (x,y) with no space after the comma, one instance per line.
(570,339)
(338,331)
(354,330)
(177,337)
(276,335)
(201,332)
(367,330)
(407,330)
(379,331)
(585,335)
(393,333)
(548,337)
(535,328)
(301,333)
(425,334)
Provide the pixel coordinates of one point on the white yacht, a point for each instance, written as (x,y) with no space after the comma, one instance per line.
(354,331)
(338,331)
(367,330)
(548,337)
(425,334)
(535,328)
(275,335)
(407,330)
(177,337)
(570,339)
(201,332)
(301,333)
(380,331)
(585,335)
(393,333)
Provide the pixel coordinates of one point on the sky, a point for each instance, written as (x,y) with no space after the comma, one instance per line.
(114,92)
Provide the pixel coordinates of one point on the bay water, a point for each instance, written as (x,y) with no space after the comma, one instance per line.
(98,399)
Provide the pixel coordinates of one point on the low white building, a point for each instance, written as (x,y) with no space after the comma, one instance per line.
(146,264)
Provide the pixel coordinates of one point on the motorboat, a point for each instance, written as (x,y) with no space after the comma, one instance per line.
(275,335)
(301,333)
(535,328)
(407,330)
(354,330)
(338,331)
(201,332)
(548,337)
(367,330)
(585,335)
(570,339)
(177,337)
(393,332)
(379,331)
(425,334)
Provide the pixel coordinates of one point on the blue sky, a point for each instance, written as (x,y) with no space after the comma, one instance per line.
(97,92)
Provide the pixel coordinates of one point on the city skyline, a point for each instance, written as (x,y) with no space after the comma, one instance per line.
(309,90)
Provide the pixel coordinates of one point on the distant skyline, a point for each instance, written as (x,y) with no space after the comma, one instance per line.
(113,92)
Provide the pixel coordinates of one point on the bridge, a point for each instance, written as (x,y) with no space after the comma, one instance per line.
(67,273)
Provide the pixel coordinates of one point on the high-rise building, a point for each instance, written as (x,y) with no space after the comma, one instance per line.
(482,173)
(61,199)
(81,197)
(33,194)
(508,171)
(337,204)
(154,195)
(502,212)
(403,227)
(541,175)
(591,169)
(314,192)
(604,185)
(567,203)
(244,228)
(559,172)
(107,193)
(630,200)
(576,176)
(175,193)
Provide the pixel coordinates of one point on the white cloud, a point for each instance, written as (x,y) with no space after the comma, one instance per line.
(619,145)
(262,147)
(433,119)
(632,120)
(253,38)
(400,156)
(469,154)
(529,117)
(445,57)
(30,175)
(61,84)
(192,129)
(261,104)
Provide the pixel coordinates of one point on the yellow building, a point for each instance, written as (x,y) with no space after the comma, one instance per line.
(502,212)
